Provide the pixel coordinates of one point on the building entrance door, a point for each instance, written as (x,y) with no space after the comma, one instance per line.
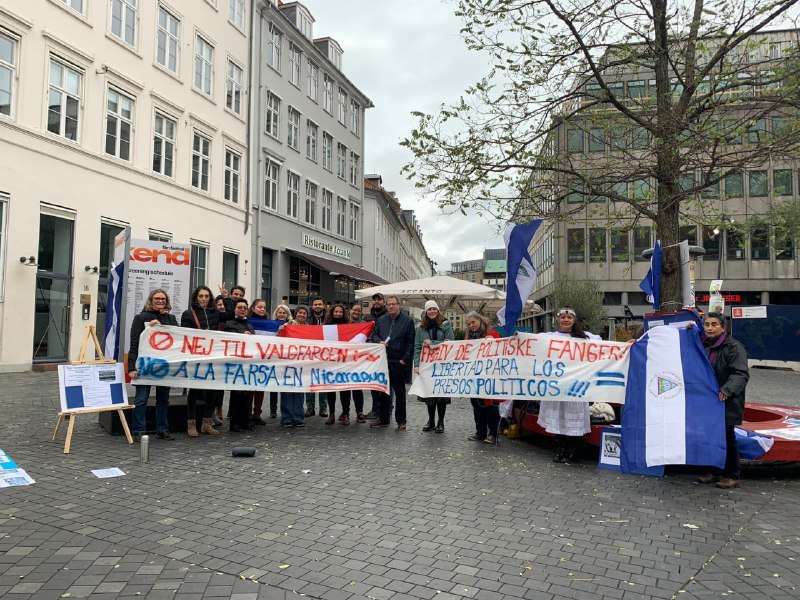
(53,289)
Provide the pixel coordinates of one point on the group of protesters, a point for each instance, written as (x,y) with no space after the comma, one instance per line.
(569,421)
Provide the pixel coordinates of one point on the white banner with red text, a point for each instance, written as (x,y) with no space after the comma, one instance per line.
(192,358)
(525,367)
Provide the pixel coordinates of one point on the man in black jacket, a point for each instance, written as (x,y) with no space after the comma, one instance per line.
(729,360)
(376,311)
(395,330)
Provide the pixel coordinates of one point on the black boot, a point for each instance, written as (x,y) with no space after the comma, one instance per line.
(560,448)
(440,426)
(570,450)
(430,426)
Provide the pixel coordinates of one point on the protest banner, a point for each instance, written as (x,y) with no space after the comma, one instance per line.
(179,357)
(525,367)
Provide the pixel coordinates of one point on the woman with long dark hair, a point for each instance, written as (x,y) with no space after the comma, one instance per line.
(337,315)
(432,331)
(569,421)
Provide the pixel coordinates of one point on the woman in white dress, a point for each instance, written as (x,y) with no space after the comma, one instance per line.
(569,421)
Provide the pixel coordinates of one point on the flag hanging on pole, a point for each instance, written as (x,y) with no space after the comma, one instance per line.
(114,311)
(520,272)
(651,284)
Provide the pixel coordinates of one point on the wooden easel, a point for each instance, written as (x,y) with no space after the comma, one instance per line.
(71,415)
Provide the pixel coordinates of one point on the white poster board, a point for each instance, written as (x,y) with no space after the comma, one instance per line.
(153,265)
(90,387)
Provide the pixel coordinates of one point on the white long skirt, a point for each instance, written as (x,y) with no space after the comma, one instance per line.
(565,418)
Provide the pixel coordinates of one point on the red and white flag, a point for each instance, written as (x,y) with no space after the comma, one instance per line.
(352,332)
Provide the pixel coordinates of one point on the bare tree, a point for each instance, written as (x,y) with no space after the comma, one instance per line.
(717,91)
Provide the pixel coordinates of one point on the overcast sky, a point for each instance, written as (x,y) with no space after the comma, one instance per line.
(407,55)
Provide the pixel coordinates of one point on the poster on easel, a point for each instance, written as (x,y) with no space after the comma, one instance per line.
(91,386)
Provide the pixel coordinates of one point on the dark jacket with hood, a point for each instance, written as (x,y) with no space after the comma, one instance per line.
(730,368)
(137,327)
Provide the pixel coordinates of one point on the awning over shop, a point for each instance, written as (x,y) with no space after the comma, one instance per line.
(338,268)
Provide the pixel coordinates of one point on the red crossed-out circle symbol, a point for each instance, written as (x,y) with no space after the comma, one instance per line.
(161,340)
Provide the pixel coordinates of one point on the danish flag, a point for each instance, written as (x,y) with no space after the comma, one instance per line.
(352,332)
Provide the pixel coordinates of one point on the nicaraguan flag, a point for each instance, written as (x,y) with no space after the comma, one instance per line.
(651,284)
(672,414)
(264,326)
(114,311)
(752,445)
(520,272)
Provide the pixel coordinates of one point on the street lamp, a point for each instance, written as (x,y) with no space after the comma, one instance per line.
(725,220)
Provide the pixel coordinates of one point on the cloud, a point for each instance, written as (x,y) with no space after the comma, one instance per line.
(408,55)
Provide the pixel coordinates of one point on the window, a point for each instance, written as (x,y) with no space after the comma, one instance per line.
(734,244)
(574,141)
(355,117)
(167,40)
(637,89)
(199,265)
(688,233)
(273,123)
(312,80)
(293,129)
(597,140)
(734,185)
(757,183)
(341,216)
(236,13)
(341,160)
(575,192)
(163,144)
(576,245)
(327,209)
(710,243)
(784,243)
(275,40)
(292,194)
(640,138)
(327,152)
(76,5)
(233,87)
(295,57)
(759,243)
(620,246)
(327,94)
(230,267)
(597,244)
(780,126)
(342,106)
(304,281)
(8,68)
(355,168)
(119,123)
(642,240)
(782,182)
(733,131)
(312,131)
(158,236)
(64,100)
(233,162)
(3,219)
(355,215)
(711,190)
(203,65)
(757,132)
(271,188)
(311,203)
(123,20)
(641,189)
(201,156)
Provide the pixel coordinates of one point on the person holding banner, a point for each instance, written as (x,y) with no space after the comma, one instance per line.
(219,395)
(292,414)
(156,311)
(485,412)
(281,313)
(239,398)
(729,360)
(432,331)
(569,421)
(201,315)
(358,395)
(255,400)
(338,316)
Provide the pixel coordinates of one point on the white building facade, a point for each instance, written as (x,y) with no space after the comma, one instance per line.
(113,114)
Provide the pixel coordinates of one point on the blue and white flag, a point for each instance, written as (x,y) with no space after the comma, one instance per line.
(672,415)
(114,311)
(752,445)
(264,326)
(651,284)
(520,272)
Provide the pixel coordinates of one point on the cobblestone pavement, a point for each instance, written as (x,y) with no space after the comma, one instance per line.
(344,512)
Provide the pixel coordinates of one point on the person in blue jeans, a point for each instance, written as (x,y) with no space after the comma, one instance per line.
(156,312)
(292,403)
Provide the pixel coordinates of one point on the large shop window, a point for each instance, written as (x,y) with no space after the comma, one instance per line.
(344,290)
(303,281)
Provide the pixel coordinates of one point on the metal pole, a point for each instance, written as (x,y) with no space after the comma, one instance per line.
(722,251)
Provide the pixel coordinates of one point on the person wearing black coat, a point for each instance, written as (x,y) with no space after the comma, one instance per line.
(202,314)
(729,361)
(156,311)
(240,420)
(395,330)
(376,311)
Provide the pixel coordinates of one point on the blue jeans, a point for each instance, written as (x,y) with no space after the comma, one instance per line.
(140,408)
(292,409)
